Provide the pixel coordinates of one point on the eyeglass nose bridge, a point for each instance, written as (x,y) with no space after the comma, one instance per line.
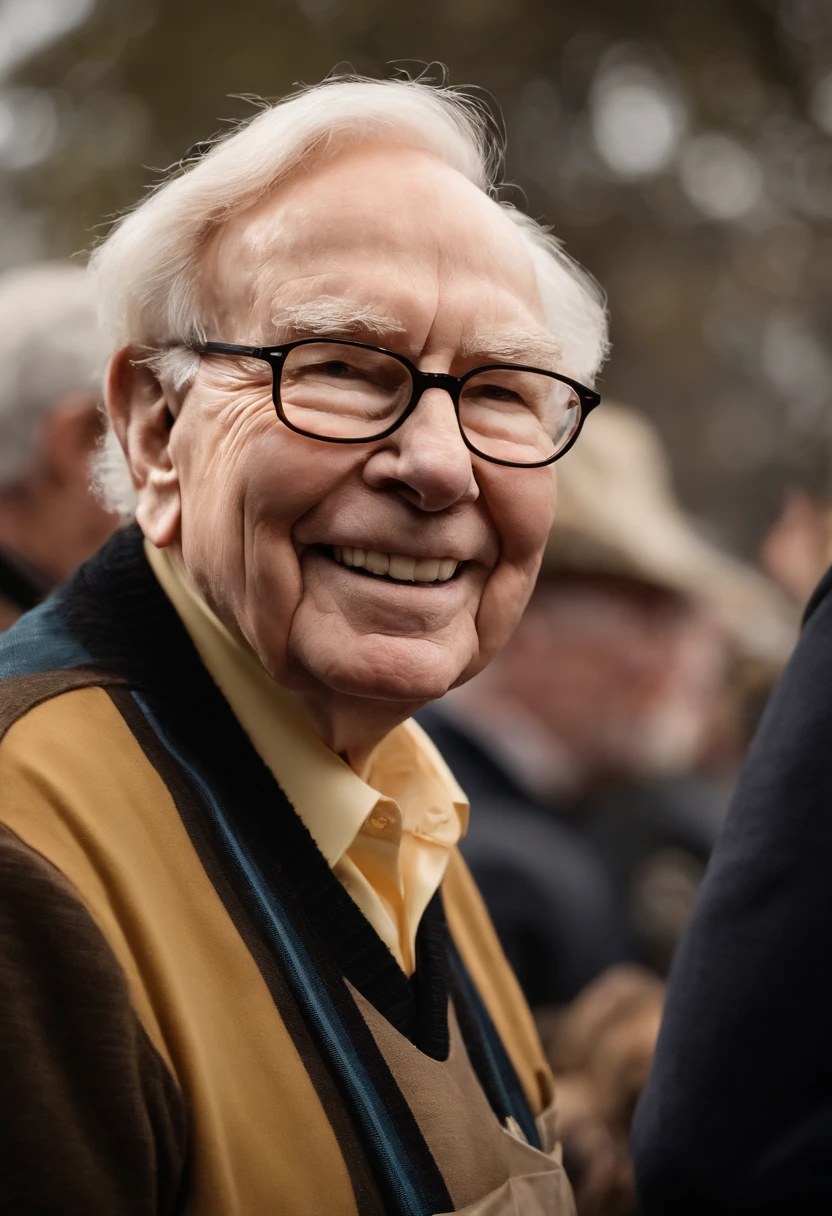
(422,381)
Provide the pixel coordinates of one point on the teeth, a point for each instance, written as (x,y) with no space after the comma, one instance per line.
(396,565)
(377,563)
(402,568)
(426,569)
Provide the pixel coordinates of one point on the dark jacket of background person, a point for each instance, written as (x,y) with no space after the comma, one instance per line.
(21,587)
(654,838)
(548,894)
(737,1115)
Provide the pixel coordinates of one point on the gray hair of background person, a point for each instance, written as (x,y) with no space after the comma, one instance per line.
(50,347)
(146,275)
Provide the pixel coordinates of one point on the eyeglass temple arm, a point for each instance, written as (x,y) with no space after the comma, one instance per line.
(228,348)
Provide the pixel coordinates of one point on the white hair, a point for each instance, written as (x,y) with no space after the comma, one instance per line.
(50,347)
(146,273)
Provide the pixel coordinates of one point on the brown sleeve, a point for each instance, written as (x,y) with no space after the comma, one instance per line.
(91,1119)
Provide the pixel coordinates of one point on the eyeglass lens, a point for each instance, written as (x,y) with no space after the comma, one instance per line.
(338,391)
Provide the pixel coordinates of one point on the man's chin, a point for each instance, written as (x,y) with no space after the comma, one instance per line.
(403,670)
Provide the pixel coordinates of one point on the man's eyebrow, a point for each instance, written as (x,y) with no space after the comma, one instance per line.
(535,348)
(334,317)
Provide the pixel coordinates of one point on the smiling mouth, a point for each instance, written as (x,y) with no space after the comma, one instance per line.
(396,567)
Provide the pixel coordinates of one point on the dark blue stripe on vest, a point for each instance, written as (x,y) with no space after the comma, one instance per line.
(41,640)
(382,1139)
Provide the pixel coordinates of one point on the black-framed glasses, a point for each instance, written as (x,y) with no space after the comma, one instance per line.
(350,392)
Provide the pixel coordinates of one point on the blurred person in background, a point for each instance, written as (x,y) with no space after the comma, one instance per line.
(52,360)
(579,746)
(581,749)
(737,1112)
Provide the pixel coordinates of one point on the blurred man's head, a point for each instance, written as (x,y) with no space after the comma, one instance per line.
(624,674)
(51,364)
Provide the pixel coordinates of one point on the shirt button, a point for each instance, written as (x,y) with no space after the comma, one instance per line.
(378,822)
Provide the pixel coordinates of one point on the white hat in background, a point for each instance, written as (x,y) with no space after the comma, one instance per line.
(618,514)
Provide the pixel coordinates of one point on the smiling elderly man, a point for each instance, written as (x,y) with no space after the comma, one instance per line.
(244,969)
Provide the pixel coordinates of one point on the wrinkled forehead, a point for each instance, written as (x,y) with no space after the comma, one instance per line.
(390,230)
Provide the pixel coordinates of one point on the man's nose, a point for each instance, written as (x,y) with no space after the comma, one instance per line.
(426,459)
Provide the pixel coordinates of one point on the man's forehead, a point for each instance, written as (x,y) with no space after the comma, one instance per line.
(388,199)
(374,264)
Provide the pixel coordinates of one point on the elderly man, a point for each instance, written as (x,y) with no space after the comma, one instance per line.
(245,970)
(52,357)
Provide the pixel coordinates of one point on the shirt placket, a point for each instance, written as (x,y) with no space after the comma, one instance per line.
(376,853)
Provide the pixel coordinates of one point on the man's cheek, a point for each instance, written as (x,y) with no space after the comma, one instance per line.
(503,600)
(523,513)
(273,603)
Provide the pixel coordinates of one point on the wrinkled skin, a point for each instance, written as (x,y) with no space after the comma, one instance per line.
(249,504)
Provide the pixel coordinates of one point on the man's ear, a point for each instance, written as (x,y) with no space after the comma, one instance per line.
(142,413)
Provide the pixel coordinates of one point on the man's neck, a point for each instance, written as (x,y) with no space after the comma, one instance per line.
(350,726)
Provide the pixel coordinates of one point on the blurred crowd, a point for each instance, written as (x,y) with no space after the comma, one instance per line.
(598,751)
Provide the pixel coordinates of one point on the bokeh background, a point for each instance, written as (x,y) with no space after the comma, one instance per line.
(681,150)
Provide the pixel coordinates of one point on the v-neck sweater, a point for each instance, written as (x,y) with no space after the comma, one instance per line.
(197,1017)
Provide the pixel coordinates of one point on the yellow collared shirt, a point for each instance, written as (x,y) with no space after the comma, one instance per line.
(387,839)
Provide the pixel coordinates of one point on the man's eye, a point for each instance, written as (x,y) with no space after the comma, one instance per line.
(337,369)
(497,392)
